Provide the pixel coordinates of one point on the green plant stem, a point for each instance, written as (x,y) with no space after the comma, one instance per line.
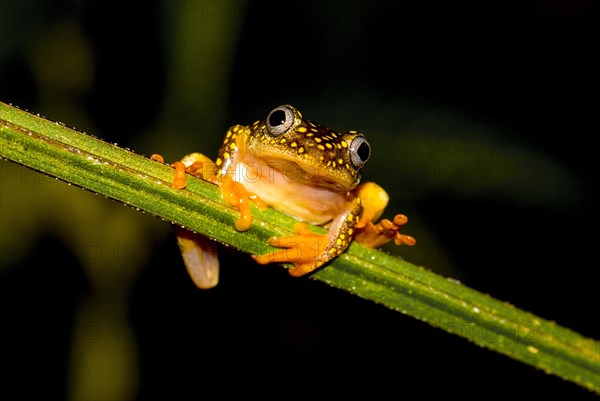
(133,179)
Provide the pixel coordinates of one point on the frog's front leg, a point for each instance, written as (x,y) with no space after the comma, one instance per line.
(307,250)
(232,192)
(198,252)
(374,200)
(197,165)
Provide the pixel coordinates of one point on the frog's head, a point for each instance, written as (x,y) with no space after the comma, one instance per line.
(309,152)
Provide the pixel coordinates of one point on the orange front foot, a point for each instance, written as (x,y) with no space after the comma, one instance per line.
(304,249)
(375,235)
(236,195)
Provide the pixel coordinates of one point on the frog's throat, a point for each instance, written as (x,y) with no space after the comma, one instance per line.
(295,172)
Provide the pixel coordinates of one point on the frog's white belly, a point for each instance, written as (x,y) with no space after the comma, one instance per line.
(303,201)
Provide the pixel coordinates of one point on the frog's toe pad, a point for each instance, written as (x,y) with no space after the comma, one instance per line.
(179,180)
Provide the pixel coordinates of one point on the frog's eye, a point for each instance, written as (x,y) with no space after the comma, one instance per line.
(359,151)
(280,120)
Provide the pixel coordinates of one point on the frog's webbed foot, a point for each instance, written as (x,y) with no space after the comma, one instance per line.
(375,235)
(304,249)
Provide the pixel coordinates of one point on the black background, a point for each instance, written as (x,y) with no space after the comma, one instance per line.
(527,69)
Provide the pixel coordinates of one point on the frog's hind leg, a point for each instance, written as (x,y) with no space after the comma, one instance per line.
(200,257)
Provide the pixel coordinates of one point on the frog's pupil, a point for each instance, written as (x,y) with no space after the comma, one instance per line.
(277,118)
(363,151)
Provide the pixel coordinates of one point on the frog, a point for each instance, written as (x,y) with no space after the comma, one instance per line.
(303,169)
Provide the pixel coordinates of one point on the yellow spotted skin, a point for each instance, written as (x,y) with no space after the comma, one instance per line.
(320,154)
(309,172)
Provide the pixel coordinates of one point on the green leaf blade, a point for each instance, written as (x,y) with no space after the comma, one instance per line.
(374,275)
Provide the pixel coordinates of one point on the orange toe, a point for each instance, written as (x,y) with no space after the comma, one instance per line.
(179,181)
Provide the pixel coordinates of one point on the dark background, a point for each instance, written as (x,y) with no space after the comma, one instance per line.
(480,118)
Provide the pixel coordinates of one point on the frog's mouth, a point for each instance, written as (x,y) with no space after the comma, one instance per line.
(293,172)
